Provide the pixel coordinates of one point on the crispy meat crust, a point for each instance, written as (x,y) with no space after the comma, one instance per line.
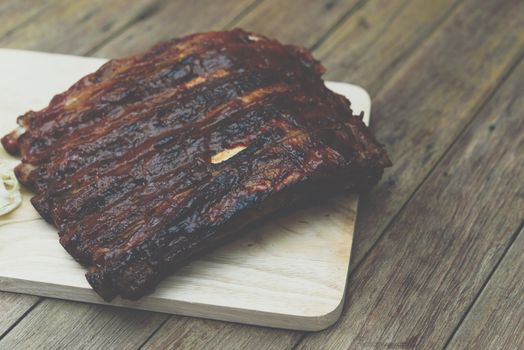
(124,163)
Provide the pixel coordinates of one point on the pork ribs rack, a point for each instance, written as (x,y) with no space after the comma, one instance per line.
(158,156)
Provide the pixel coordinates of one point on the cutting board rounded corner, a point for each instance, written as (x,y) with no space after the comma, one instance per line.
(323,320)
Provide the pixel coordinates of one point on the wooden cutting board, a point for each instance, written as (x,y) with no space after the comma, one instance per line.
(288,273)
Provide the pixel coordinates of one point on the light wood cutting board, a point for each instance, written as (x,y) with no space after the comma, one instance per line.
(288,273)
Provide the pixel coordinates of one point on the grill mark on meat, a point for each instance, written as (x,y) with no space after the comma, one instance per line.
(124,162)
(240,191)
(110,73)
(174,189)
(162,206)
(160,190)
(118,179)
(69,143)
(71,149)
(153,121)
(146,150)
(44,129)
(92,87)
(274,89)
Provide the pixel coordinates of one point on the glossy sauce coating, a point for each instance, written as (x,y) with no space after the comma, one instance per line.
(156,157)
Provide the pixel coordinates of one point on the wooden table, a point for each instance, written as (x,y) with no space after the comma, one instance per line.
(438,253)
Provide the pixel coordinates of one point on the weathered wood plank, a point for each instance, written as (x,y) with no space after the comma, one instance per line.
(420,111)
(300,22)
(496,320)
(17,13)
(173,19)
(191,333)
(12,307)
(369,47)
(415,286)
(75,27)
(56,324)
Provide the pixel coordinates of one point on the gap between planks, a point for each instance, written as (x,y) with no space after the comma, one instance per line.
(504,77)
(512,240)
(438,162)
(476,111)
(395,216)
(144,14)
(358,5)
(21,318)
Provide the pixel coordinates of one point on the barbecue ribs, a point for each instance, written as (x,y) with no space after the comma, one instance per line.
(158,156)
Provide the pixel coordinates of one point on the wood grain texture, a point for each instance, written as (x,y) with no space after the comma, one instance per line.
(429,99)
(300,22)
(188,333)
(496,319)
(174,19)
(12,307)
(15,14)
(378,38)
(55,324)
(74,27)
(417,283)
